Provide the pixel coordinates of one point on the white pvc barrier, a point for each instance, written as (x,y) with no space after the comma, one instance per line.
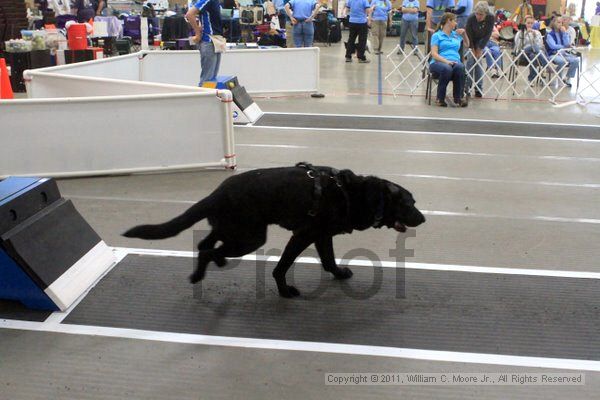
(48,85)
(115,134)
(258,70)
(123,67)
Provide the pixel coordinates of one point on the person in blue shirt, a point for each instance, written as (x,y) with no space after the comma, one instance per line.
(463,9)
(435,10)
(210,24)
(359,21)
(302,14)
(558,43)
(446,62)
(410,22)
(380,11)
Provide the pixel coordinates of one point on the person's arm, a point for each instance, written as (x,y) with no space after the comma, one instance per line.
(539,41)
(428,19)
(429,13)
(315,12)
(465,37)
(518,42)
(288,11)
(489,27)
(461,7)
(191,17)
(100,7)
(552,45)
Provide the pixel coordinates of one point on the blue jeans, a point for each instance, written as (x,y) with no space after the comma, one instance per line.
(540,61)
(404,28)
(477,73)
(445,74)
(563,58)
(209,62)
(493,53)
(304,33)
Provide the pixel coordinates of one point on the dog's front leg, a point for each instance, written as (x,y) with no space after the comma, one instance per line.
(297,244)
(325,249)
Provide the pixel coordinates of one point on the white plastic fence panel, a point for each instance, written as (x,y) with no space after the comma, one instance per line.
(90,136)
(49,85)
(259,71)
(122,67)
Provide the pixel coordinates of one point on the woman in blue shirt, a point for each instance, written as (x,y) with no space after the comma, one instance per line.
(446,62)
(379,17)
(302,14)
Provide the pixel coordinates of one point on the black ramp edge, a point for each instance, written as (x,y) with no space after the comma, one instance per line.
(317,121)
(49,243)
(17,311)
(451,311)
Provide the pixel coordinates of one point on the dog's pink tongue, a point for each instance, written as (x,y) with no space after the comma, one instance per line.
(399,227)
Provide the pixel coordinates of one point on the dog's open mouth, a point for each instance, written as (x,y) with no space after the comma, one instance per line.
(399,226)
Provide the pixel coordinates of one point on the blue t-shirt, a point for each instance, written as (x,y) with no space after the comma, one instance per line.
(448,46)
(468,5)
(410,4)
(381,10)
(210,18)
(439,7)
(358,11)
(302,9)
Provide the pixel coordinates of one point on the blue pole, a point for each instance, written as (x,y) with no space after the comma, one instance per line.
(379,86)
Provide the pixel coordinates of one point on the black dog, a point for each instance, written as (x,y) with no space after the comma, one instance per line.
(315,203)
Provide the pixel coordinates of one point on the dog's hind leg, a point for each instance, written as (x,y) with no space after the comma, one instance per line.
(208,243)
(325,249)
(296,245)
(233,247)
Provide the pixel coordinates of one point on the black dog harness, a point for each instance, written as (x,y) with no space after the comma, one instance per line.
(317,174)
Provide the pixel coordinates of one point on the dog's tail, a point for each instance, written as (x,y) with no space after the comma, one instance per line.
(195,213)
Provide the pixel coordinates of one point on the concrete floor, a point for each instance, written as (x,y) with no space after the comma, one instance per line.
(485,196)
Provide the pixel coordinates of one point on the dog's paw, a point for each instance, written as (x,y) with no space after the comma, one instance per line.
(344,273)
(289,292)
(220,261)
(196,277)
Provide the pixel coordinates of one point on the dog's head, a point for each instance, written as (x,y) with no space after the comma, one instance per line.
(395,207)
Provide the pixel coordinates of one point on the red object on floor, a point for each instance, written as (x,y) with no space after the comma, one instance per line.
(5,86)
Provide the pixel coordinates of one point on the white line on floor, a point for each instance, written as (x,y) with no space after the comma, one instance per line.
(320,347)
(387,264)
(483,135)
(566,126)
(434,152)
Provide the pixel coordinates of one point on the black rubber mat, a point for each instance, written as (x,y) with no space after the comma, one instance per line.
(469,312)
(14,310)
(428,125)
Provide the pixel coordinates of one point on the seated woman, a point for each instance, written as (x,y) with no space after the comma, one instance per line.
(446,61)
(558,43)
(531,43)
(493,54)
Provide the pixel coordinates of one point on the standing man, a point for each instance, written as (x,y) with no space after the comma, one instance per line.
(479,30)
(435,10)
(360,20)
(462,11)
(380,12)
(410,22)
(210,24)
(302,14)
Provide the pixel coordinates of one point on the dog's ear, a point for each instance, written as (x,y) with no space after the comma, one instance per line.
(393,189)
(347,177)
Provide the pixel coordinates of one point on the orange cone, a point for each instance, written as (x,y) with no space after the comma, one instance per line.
(5,87)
